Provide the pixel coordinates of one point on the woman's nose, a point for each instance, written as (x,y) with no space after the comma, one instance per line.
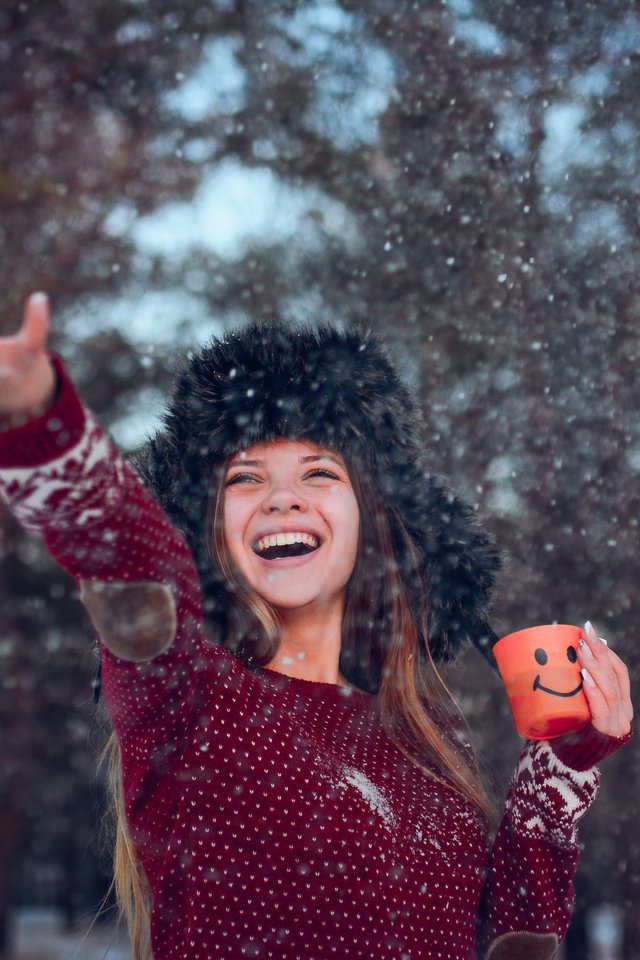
(281,499)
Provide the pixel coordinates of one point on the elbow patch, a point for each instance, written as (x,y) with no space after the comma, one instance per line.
(135,621)
(523,946)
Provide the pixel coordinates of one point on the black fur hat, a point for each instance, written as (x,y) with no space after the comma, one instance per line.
(338,389)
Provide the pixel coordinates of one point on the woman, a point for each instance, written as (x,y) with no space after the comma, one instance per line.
(296,784)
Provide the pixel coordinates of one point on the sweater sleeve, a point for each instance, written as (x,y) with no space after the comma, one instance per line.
(528,897)
(63,478)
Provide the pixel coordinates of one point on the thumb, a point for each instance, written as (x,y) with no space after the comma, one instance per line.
(37,317)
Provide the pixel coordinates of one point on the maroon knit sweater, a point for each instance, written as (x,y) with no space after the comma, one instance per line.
(273,816)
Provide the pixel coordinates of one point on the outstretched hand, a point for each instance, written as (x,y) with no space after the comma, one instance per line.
(606,685)
(27,378)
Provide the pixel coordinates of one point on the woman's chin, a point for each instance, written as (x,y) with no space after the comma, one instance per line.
(288,601)
(289,604)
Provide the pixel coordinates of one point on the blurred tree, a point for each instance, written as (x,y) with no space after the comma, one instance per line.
(462,175)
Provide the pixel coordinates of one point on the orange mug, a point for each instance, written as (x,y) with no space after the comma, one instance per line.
(539,667)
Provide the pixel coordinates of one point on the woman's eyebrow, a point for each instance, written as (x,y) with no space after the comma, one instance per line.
(321,456)
(241,462)
(246,463)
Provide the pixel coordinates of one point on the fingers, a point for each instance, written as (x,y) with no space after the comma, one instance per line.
(606,685)
(622,675)
(600,712)
(594,655)
(37,317)
(600,685)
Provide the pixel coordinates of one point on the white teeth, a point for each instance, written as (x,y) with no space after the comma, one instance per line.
(280,539)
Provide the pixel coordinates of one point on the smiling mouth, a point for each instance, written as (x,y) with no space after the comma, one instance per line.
(556,693)
(283,546)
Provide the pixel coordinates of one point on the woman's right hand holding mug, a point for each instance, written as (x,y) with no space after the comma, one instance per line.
(27,377)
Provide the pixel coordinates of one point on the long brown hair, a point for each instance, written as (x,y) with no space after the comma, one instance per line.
(129,879)
(384,650)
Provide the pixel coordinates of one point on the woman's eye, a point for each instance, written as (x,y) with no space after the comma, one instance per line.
(322,473)
(241,478)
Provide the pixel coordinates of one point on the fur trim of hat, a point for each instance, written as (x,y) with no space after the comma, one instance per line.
(340,390)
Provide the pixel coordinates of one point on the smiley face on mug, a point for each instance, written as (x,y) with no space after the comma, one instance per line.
(541,657)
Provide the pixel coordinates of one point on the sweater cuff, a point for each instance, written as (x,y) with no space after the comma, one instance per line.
(586,748)
(50,435)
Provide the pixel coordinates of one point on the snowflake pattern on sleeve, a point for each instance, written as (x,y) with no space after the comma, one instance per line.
(548,798)
(53,493)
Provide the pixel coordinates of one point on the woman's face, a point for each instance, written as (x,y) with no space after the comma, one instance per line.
(291,522)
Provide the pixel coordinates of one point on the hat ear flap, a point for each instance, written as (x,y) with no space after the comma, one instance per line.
(462,563)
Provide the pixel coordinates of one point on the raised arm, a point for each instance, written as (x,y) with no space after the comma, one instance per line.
(63,478)
(61,496)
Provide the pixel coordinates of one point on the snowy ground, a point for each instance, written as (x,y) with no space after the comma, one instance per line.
(38,935)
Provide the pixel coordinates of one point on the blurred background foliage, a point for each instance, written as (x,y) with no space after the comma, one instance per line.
(464,176)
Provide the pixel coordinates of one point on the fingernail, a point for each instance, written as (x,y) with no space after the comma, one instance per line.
(588,679)
(585,649)
(590,630)
(602,640)
(38,298)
